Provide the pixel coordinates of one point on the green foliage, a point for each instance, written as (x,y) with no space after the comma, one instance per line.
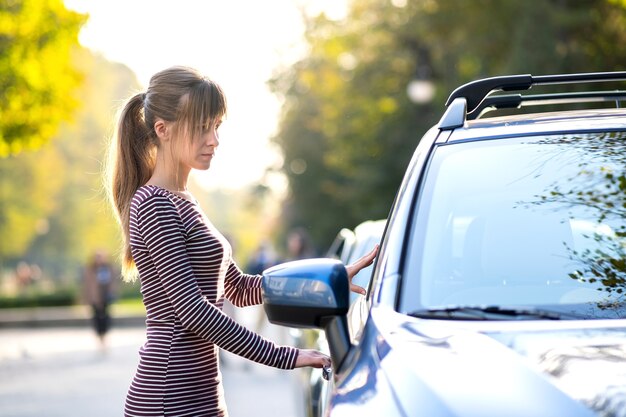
(58,298)
(53,210)
(27,195)
(348,128)
(37,78)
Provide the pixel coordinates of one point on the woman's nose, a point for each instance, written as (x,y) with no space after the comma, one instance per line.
(213,138)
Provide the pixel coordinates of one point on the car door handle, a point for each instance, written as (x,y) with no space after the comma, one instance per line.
(327,372)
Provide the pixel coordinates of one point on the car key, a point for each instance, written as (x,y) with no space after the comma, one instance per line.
(326,372)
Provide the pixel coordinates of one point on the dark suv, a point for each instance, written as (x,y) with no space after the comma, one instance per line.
(500,285)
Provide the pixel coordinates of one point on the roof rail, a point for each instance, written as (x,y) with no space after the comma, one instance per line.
(514,101)
(476,91)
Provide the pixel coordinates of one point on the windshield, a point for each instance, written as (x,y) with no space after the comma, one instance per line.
(522,222)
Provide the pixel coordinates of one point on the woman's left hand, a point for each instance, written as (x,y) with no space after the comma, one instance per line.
(359,264)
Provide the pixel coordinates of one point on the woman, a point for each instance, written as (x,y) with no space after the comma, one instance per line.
(184,264)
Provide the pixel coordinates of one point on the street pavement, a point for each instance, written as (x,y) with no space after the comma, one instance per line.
(64,372)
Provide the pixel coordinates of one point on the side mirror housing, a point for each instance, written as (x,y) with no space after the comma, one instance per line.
(310,293)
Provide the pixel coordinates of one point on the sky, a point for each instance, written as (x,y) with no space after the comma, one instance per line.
(237,43)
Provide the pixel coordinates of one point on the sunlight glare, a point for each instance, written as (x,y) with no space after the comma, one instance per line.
(237,43)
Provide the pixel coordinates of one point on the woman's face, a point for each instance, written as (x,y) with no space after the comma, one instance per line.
(199,152)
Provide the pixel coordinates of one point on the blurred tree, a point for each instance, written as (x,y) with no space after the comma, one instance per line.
(245,216)
(27,196)
(37,78)
(53,199)
(348,128)
(81,221)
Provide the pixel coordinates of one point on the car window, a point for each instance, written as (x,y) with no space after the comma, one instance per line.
(368,234)
(526,221)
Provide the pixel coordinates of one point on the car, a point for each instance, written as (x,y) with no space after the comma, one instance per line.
(348,246)
(342,245)
(499,288)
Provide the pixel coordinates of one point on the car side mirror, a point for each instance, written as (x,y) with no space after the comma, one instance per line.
(311,293)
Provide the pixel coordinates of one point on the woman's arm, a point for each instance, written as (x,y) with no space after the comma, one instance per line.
(161,227)
(241,289)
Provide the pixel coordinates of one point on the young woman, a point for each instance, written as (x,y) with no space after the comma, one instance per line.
(184,264)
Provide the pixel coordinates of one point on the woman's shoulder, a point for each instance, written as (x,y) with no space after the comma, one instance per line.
(151,202)
(147,196)
(147,192)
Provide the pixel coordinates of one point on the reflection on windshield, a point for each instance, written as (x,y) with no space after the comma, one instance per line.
(599,189)
(531,221)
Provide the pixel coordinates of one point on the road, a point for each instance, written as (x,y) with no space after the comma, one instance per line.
(63,372)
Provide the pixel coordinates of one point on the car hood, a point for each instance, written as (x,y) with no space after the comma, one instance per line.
(538,368)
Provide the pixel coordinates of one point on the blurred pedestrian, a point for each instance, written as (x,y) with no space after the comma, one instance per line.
(99,290)
(184,264)
(23,275)
(299,245)
(262,258)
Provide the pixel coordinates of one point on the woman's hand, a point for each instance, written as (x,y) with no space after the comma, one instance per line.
(359,264)
(313,358)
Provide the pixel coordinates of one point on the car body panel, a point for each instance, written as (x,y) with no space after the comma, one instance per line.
(536,368)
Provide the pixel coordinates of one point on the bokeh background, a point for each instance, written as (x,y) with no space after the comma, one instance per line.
(327,101)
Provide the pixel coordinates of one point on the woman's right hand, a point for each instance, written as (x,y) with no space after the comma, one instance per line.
(313,358)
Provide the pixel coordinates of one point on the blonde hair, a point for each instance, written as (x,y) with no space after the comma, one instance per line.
(179,95)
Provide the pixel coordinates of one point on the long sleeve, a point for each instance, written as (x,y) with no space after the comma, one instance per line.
(162,230)
(242,290)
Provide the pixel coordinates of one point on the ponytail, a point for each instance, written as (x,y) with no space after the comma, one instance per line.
(180,95)
(131,163)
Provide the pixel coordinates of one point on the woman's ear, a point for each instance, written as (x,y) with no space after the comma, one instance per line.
(162,130)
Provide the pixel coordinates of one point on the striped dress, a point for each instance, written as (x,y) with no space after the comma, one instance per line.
(186,269)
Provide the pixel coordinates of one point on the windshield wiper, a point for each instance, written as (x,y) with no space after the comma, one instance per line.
(485,313)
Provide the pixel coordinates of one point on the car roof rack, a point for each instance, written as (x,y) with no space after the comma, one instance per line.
(469,98)
(514,101)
